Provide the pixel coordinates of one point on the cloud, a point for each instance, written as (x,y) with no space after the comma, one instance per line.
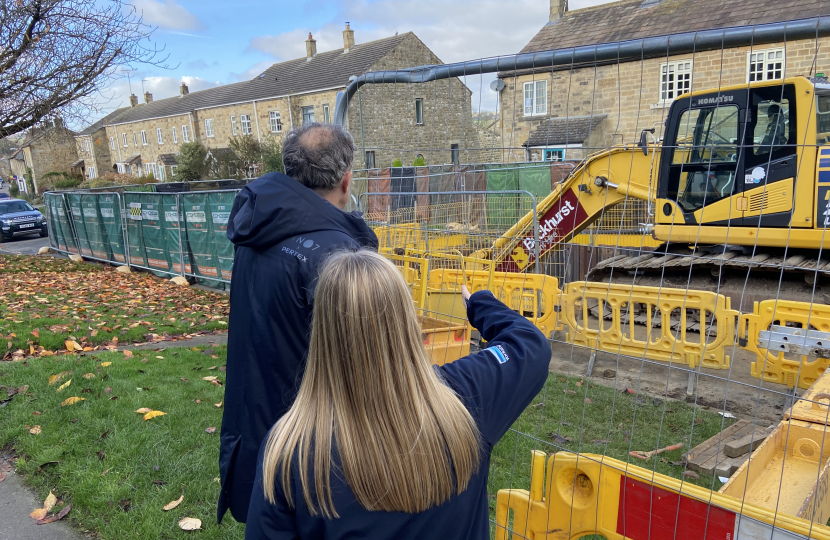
(169,15)
(197,64)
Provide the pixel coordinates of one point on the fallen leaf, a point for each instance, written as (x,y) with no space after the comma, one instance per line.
(89,376)
(2,475)
(35,430)
(128,353)
(160,357)
(212,367)
(579,383)
(64,385)
(210,430)
(100,455)
(38,514)
(108,389)
(23,389)
(50,501)
(125,504)
(106,364)
(182,378)
(190,524)
(72,400)
(56,517)
(173,504)
(559,439)
(143,410)
(629,391)
(70,345)
(153,414)
(36,413)
(588,400)
(218,405)
(209,378)
(35,333)
(570,392)
(105,472)
(55,378)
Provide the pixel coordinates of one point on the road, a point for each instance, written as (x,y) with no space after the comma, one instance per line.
(22,244)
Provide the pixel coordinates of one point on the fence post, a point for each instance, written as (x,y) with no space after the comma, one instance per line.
(71,220)
(181,241)
(125,235)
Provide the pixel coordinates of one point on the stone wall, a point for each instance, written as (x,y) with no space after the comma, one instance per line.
(629,93)
(387,112)
(54,152)
(150,151)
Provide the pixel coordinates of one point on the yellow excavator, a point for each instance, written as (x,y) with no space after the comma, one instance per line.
(740,182)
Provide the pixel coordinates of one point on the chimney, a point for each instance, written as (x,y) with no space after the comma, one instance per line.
(310,47)
(148,97)
(557,9)
(348,38)
(133,100)
(183,90)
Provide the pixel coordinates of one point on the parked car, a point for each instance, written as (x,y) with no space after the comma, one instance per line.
(4,196)
(19,217)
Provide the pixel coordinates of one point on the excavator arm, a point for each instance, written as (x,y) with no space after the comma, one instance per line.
(598,183)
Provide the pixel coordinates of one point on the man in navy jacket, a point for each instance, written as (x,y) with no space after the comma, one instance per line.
(282,226)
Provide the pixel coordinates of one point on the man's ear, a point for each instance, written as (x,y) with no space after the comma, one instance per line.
(346,182)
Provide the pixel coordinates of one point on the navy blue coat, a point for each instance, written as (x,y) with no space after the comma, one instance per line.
(281,231)
(495,384)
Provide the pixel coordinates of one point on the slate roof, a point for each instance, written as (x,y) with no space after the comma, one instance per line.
(167,159)
(135,158)
(76,163)
(636,19)
(330,69)
(569,130)
(108,119)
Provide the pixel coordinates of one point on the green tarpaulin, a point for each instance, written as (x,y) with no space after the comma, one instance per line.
(77,215)
(199,227)
(135,239)
(174,233)
(96,235)
(110,210)
(220,211)
(152,233)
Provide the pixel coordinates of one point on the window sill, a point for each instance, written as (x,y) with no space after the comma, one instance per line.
(661,105)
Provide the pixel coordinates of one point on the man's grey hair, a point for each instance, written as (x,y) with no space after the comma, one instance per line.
(318,155)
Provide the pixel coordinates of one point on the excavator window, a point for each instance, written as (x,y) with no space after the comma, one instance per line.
(772,131)
(823,117)
(705,158)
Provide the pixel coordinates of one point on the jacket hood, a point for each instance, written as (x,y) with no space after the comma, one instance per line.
(276,207)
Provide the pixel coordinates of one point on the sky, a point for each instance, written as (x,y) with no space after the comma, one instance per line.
(213,42)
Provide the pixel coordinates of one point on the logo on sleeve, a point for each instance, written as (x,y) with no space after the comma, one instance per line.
(499,352)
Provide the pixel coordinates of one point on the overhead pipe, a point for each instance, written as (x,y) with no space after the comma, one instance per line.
(635,49)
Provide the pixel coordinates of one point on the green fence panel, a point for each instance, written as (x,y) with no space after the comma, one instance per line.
(63,219)
(77,213)
(174,233)
(220,211)
(110,209)
(502,210)
(56,239)
(96,236)
(200,237)
(536,180)
(135,240)
(155,244)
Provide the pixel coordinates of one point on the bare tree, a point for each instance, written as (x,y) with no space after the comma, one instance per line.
(57,55)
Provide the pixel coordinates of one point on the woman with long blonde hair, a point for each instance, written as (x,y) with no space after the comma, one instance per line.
(378,443)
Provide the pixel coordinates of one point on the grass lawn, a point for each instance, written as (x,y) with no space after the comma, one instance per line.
(47,301)
(118,470)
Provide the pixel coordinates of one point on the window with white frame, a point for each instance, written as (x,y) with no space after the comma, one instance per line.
(161,172)
(326,114)
(419,111)
(91,172)
(675,79)
(766,65)
(158,136)
(554,154)
(150,168)
(276,123)
(233,125)
(185,134)
(112,143)
(173,169)
(175,138)
(86,145)
(124,138)
(135,140)
(143,138)
(536,97)
(246,123)
(208,127)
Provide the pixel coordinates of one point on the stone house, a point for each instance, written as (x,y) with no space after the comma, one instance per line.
(94,157)
(48,147)
(145,137)
(567,111)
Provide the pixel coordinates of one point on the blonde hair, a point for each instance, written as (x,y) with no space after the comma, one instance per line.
(404,440)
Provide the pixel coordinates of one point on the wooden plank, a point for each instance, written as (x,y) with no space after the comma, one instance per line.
(746,444)
(812,406)
(728,466)
(705,454)
(717,456)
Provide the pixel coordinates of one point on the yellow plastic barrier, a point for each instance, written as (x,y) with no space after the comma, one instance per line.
(772,366)
(445,341)
(412,236)
(414,271)
(535,296)
(586,494)
(650,340)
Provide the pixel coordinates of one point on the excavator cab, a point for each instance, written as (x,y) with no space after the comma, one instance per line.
(730,157)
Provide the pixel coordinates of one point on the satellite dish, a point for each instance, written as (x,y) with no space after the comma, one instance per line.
(497,85)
